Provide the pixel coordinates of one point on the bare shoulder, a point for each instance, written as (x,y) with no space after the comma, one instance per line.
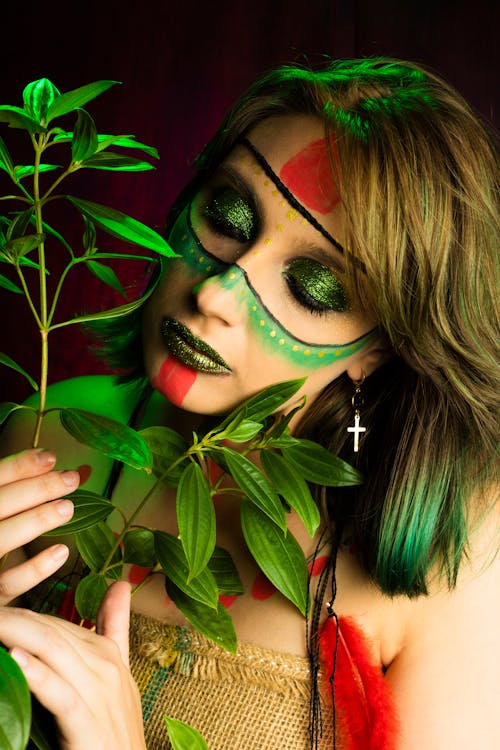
(445,676)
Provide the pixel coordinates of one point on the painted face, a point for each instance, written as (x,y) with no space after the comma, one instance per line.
(259,293)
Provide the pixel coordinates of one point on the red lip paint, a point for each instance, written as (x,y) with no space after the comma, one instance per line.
(174,380)
(308,175)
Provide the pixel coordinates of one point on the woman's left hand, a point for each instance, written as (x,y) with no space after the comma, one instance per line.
(81,677)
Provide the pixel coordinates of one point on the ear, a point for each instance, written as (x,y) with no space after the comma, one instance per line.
(369,360)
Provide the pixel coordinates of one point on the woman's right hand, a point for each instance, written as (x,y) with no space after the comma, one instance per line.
(30,504)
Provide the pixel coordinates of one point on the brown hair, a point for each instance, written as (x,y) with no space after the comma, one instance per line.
(418,177)
(417,173)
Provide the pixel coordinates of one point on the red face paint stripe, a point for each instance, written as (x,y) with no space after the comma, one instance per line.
(308,175)
(174,380)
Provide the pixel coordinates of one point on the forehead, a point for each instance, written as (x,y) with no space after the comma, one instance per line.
(295,148)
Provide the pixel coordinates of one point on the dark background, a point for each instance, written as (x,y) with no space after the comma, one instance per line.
(181,66)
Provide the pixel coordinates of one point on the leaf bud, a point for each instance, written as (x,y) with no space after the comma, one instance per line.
(38,96)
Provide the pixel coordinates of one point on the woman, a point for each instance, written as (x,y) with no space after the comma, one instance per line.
(341,227)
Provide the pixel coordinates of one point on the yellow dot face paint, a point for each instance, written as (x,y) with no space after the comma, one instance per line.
(313,280)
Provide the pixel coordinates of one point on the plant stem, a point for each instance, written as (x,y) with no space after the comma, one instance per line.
(44,367)
(44,364)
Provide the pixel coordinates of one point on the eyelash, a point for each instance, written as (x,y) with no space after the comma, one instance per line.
(303,298)
(220,224)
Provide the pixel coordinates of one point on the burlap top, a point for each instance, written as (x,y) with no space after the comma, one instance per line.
(257,699)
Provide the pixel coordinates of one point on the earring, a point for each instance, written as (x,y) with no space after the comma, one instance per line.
(357,402)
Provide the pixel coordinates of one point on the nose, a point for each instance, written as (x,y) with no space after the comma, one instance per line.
(221,296)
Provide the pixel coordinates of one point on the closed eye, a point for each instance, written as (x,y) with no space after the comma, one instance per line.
(229,214)
(315,286)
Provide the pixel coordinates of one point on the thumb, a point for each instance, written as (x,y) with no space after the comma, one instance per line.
(113,618)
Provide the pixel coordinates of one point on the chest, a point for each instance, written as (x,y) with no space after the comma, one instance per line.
(261,615)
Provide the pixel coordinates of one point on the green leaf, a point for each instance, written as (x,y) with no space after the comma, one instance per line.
(184,737)
(264,403)
(114,312)
(9,285)
(89,236)
(18,225)
(216,625)
(20,172)
(280,557)
(226,575)
(317,465)
(17,118)
(15,704)
(9,362)
(122,226)
(255,486)
(21,246)
(90,508)
(89,594)
(288,482)
(38,96)
(126,141)
(139,548)
(107,436)
(242,431)
(7,408)
(106,274)
(76,98)
(6,162)
(113,162)
(195,518)
(166,447)
(173,561)
(105,141)
(95,545)
(84,143)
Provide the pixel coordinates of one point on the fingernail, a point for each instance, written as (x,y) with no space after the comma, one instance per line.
(20,656)
(60,553)
(64,508)
(71,478)
(45,457)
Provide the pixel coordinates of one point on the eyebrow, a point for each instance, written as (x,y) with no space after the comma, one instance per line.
(327,258)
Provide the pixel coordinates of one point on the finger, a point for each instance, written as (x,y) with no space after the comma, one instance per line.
(25,576)
(23,528)
(113,619)
(29,463)
(56,694)
(24,494)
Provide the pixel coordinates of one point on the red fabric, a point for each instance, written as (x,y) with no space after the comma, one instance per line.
(365,712)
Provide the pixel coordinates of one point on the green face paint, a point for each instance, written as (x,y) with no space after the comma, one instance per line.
(273,335)
(198,260)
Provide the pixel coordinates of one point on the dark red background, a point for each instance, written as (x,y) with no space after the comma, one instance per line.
(181,66)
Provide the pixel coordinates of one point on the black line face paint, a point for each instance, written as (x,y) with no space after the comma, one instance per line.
(315,280)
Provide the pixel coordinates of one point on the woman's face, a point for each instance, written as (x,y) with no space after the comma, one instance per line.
(258,295)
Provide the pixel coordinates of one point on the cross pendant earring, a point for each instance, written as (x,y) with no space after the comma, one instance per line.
(356,430)
(357,401)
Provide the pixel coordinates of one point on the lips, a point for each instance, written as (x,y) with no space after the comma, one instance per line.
(190,350)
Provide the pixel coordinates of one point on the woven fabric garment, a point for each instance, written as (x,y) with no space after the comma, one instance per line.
(257,699)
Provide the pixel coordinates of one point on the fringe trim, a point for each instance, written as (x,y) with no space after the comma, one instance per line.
(187,652)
